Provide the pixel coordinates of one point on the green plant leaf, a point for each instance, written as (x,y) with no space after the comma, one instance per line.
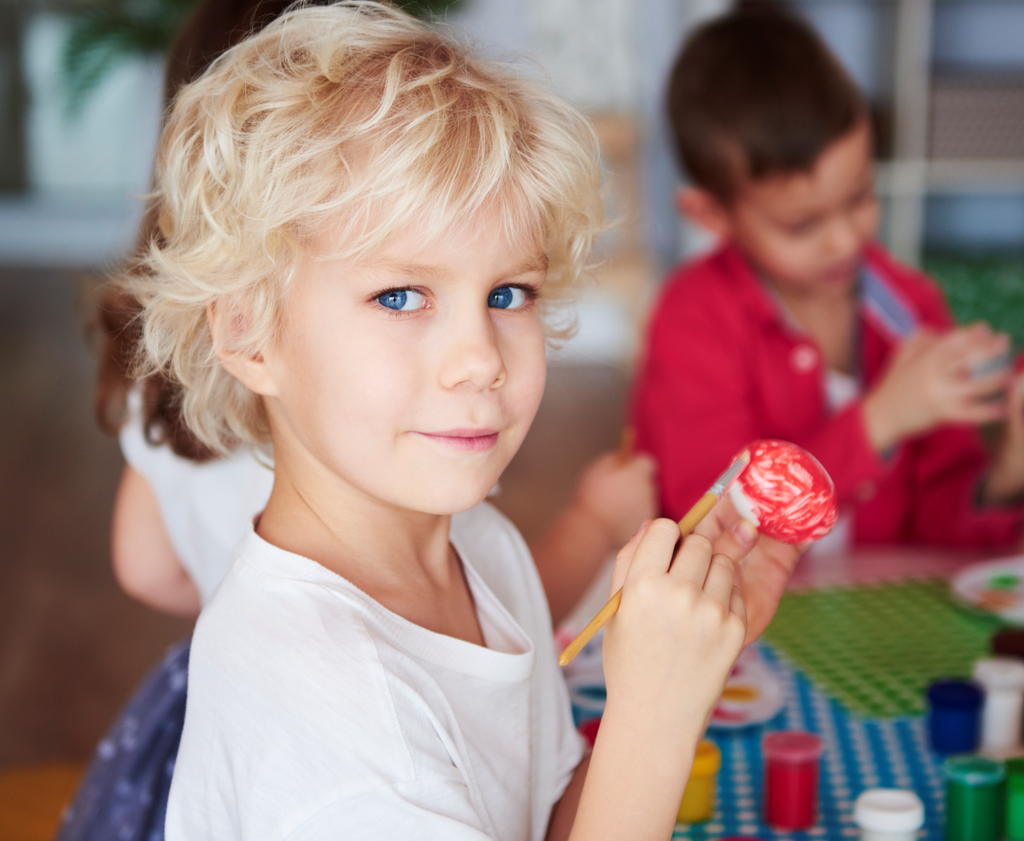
(106,32)
(428,9)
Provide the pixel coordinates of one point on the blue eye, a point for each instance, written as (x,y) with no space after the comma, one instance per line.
(401,300)
(507,298)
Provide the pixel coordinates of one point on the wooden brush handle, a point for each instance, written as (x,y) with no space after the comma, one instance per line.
(626,444)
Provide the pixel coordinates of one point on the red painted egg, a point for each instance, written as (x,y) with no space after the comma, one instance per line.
(786,492)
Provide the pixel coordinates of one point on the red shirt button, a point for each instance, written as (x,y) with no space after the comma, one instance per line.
(803,358)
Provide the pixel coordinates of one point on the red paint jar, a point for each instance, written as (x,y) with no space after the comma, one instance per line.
(588,730)
(791,769)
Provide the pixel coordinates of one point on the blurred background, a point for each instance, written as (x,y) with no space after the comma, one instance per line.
(80,105)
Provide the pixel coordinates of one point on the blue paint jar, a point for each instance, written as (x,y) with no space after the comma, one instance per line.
(954,717)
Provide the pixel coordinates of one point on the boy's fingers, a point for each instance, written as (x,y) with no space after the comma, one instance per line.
(644,463)
(624,558)
(971,346)
(654,554)
(988,383)
(737,541)
(737,605)
(693,559)
(719,581)
(979,412)
(1015,396)
(955,348)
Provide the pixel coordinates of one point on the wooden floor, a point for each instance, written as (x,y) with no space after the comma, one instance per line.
(32,798)
(72,646)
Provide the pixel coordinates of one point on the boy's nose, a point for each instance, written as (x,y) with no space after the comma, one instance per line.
(844,238)
(472,356)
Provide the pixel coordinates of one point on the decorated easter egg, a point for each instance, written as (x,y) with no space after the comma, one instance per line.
(786,493)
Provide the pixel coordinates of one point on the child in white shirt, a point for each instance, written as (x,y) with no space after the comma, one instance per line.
(361,228)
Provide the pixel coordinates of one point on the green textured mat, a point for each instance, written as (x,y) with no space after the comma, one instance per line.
(876,648)
(983,286)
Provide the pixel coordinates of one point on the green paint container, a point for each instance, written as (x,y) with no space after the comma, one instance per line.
(1015,800)
(974,798)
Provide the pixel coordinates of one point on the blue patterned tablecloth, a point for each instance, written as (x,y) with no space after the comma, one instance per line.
(860,753)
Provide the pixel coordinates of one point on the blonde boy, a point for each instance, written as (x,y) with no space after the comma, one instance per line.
(360,228)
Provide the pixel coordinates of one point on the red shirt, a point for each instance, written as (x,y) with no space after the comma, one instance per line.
(723,366)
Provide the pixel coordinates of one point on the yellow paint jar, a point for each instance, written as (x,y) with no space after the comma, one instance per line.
(699,798)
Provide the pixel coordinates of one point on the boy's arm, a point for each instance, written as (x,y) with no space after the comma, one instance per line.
(564,813)
(612,499)
(145,563)
(635,786)
(667,653)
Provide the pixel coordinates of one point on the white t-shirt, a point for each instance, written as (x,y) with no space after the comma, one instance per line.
(315,713)
(206,508)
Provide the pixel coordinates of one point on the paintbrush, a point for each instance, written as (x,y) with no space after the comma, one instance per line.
(626,444)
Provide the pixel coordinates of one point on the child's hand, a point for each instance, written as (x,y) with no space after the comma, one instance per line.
(681,625)
(1005,481)
(618,496)
(930,382)
(763,565)
(667,653)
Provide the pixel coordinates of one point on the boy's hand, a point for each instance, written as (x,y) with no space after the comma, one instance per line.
(1005,481)
(681,625)
(618,496)
(667,654)
(763,565)
(930,382)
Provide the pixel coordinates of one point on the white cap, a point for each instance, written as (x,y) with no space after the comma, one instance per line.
(996,673)
(889,810)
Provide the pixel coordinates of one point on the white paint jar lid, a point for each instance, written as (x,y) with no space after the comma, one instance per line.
(889,810)
(995,673)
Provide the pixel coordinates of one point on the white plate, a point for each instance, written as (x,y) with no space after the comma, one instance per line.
(753,694)
(994,587)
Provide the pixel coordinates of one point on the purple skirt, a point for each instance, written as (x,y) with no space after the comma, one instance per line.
(123,796)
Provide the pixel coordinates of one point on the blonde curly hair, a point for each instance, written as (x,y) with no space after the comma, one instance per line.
(354,116)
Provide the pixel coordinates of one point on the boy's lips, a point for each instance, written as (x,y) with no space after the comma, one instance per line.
(842,272)
(465,440)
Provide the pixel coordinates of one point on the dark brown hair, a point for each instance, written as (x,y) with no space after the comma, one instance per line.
(216,26)
(757,93)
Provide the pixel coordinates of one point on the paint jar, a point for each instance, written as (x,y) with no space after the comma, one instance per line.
(954,715)
(974,798)
(888,814)
(1015,800)
(588,730)
(1009,642)
(1002,678)
(701,789)
(791,769)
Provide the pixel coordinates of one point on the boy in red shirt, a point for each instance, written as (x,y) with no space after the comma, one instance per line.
(800,326)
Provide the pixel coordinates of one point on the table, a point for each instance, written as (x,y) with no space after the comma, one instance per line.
(856,639)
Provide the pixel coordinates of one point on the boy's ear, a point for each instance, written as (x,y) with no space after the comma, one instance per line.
(250,370)
(704,210)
